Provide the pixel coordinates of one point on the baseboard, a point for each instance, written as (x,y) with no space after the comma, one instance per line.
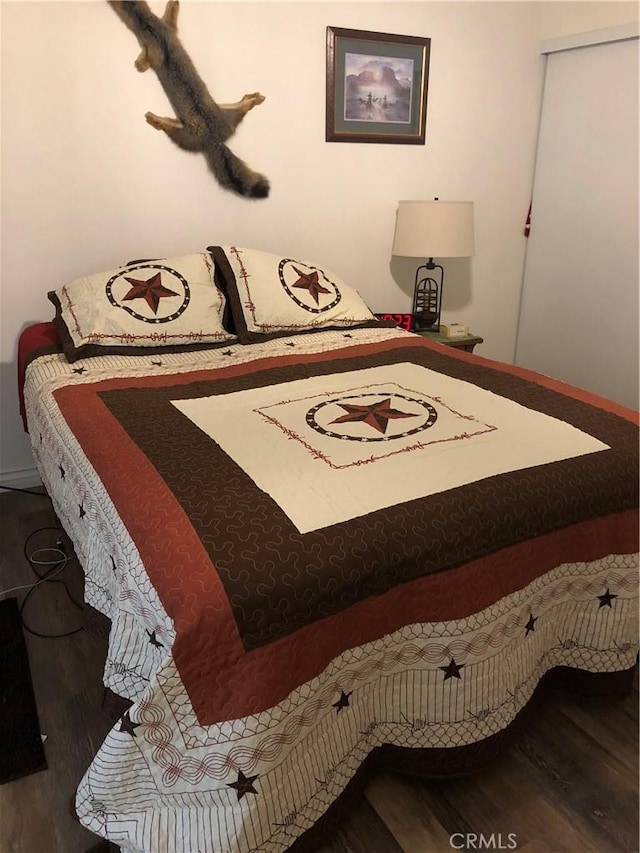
(20,478)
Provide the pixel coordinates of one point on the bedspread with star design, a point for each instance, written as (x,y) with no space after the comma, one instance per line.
(320,545)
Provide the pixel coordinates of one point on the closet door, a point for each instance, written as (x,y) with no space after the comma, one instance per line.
(579,312)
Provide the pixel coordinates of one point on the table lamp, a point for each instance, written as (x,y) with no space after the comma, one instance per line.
(428,229)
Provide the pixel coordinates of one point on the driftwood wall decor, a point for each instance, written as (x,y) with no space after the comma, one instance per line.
(200,124)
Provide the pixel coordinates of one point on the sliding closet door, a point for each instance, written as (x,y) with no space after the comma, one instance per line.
(579,314)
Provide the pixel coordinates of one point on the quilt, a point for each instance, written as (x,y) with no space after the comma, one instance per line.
(313,548)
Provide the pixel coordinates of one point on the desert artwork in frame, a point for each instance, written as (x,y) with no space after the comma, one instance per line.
(377,85)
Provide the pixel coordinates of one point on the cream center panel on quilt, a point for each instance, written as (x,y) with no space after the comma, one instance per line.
(331,448)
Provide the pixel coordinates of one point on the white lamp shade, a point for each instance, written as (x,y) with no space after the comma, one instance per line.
(434,229)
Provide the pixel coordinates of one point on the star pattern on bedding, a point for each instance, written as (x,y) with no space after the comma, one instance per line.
(530,626)
(154,640)
(152,291)
(127,725)
(343,702)
(452,669)
(243,785)
(309,281)
(606,599)
(79,369)
(82,510)
(376,415)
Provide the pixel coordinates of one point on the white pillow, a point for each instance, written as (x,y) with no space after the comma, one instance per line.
(146,306)
(271,296)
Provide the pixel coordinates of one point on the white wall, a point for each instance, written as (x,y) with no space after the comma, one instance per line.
(87,184)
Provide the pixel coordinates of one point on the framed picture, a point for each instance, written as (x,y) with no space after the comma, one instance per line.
(377,86)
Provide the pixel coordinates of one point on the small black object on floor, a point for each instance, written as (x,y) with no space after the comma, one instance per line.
(22,751)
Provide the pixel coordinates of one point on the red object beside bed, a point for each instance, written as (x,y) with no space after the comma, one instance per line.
(35,338)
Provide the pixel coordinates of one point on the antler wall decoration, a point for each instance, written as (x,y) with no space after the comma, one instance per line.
(200,124)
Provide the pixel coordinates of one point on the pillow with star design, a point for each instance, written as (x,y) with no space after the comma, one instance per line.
(142,308)
(271,296)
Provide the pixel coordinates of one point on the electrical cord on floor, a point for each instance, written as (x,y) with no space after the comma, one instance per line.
(56,560)
(56,566)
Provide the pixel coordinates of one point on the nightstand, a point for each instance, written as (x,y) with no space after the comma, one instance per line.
(467,343)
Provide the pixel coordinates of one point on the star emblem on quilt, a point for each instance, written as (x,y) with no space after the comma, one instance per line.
(452,669)
(371,416)
(376,415)
(154,640)
(530,626)
(244,785)
(309,281)
(151,290)
(127,725)
(606,599)
(343,702)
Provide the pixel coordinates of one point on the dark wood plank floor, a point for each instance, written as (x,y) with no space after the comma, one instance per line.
(570,785)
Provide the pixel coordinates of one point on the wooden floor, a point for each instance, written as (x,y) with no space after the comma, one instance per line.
(570,784)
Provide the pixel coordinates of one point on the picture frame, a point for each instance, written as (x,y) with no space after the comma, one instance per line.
(377,87)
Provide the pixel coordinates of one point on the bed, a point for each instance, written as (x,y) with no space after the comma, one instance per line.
(323,544)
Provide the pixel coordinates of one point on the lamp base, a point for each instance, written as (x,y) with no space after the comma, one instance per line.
(426,322)
(427,297)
